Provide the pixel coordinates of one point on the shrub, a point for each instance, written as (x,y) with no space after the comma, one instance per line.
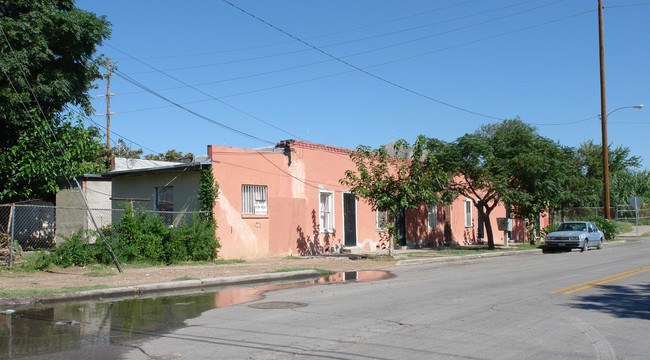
(548,229)
(202,243)
(141,237)
(608,227)
(75,251)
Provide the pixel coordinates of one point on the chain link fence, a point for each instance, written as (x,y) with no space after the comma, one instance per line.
(42,227)
(629,214)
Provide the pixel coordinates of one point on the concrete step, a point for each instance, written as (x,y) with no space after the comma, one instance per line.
(352,250)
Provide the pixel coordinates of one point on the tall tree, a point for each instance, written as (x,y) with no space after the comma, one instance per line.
(47,62)
(399,177)
(590,161)
(40,160)
(170,155)
(505,162)
(627,183)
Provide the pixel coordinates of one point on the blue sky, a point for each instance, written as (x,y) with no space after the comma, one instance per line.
(439,68)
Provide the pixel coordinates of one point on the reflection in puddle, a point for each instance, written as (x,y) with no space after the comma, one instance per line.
(73,327)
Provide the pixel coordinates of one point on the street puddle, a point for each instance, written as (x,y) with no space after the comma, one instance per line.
(84,327)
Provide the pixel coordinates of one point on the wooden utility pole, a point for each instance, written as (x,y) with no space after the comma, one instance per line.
(603,113)
(108,103)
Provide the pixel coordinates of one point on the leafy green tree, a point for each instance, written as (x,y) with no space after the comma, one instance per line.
(505,162)
(170,155)
(405,180)
(627,183)
(542,179)
(51,43)
(589,157)
(42,159)
(47,63)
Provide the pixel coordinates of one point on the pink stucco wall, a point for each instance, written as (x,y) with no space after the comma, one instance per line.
(291,226)
(294,180)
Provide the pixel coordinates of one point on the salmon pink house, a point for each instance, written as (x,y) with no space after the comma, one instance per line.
(287,200)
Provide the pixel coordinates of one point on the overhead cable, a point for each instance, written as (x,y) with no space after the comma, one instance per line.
(208,95)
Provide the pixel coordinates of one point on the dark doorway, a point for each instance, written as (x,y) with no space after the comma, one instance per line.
(349,220)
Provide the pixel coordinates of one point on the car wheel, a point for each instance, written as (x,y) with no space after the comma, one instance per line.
(584,246)
(600,244)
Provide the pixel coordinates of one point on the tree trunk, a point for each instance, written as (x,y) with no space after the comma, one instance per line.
(485,211)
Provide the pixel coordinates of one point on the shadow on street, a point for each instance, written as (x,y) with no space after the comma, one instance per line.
(620,301)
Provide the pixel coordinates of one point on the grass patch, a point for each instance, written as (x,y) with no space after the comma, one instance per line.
(646,234)
(293,257)
(463,252)
(222,262)
(386,258)
(623,227)
(43,292)
(99,273)
(183,278)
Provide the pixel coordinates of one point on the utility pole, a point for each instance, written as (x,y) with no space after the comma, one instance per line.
(603,113)
(108,103)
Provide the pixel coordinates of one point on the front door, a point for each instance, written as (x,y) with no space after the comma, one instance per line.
(349,220)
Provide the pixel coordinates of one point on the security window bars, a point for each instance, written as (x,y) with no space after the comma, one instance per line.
(326,205)
(253,200)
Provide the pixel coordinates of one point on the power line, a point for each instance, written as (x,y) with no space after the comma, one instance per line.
(562,123)
(352,41)
(56,141)
(214,122)
(209,95)
(316,36)
(387,63)
(122,137)
(377,36)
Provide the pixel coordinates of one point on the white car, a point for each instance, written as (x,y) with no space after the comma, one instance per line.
(575,234)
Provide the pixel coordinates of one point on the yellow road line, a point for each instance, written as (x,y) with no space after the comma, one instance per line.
(601,281)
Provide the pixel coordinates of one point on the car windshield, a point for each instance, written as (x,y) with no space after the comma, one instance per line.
(572,227)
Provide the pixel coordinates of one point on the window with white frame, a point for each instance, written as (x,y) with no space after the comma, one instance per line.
(432,217)
(382,219)
(253,200)
(468,212)
(164,198)
(326,205)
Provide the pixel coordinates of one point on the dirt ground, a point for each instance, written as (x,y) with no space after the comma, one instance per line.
(90,276)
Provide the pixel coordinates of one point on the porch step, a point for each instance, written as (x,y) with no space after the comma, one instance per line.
(352,250)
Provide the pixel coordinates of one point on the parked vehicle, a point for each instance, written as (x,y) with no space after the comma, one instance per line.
(575,234)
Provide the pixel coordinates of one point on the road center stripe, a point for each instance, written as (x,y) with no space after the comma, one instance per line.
(601,281)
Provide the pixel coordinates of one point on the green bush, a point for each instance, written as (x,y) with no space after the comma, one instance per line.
(548,229)
(75,251)
(140,237)
(608,227)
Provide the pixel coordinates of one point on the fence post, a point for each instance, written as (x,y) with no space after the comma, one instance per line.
(12,219)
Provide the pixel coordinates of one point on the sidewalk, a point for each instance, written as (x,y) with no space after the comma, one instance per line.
(136,282)
(642,230)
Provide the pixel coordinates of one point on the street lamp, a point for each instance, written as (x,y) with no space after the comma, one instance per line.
(603,119)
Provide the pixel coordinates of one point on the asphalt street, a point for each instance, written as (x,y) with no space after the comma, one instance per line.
(593,305)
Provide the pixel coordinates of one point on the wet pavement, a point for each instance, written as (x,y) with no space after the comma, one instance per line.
(102,329)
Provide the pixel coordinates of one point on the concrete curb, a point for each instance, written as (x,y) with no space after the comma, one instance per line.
(466,257)
(166,287)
